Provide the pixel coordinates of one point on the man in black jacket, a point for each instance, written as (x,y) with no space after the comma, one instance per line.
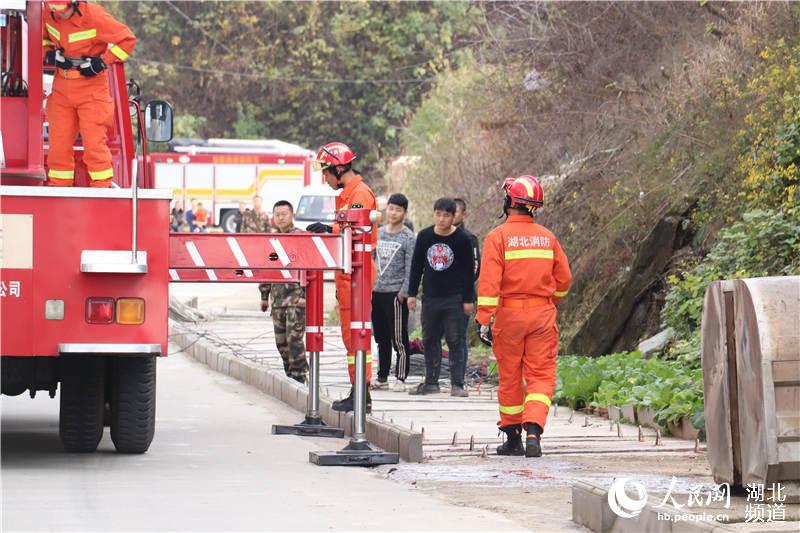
(443,261)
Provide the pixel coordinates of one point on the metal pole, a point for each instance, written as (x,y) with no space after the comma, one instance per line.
(360,398)
(313,386)
(134,207)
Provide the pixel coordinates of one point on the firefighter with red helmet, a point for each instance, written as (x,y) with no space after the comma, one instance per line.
(85,39)
(524,274)
(335,160)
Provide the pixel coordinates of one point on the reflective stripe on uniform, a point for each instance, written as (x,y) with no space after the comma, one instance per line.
(560,294)
(81,36)
(511,409)
(488,300)
(45,42)
(534,253)
(119,52)
(61,174)
(538,397)
(351,359)
(52,31)
(102,174)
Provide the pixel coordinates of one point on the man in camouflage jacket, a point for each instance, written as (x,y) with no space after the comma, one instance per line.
(288,301)
(256,220)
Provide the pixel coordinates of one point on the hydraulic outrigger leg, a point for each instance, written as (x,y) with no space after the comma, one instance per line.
(312,426)
(359,452)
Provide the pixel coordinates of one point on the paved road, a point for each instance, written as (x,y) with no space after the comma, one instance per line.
(213,466)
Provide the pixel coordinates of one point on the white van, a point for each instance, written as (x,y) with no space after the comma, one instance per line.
(317,203)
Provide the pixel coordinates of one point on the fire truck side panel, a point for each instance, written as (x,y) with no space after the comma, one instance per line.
(62,227)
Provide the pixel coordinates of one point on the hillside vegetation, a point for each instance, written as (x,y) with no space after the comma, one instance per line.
(667,135)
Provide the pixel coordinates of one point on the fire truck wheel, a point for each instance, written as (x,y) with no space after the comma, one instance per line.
(228,221)
(80,424)
(133,403)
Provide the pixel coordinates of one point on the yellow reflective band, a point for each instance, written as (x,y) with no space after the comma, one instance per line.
(537,397)
(537,253)
(512,409)
(351,359)
(81,36)
(102,174)
(560,294)
(45,42)
(61,174)
(526,184)
(52,31)
(488,300)
(119,52)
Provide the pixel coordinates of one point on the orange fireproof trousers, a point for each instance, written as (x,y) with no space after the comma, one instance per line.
(345,307)
(81,104)
(525,345)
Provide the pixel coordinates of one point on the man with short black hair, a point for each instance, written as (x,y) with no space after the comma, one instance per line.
(389,312)
(443,262)
(288,305)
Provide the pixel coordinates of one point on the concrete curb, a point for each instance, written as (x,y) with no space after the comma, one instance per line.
(590,509)
(390,437)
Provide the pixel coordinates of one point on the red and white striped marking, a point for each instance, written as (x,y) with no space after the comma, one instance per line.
(198,260)
(250,252)
(239,255)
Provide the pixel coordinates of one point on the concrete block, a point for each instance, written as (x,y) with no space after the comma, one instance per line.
(212,360)
(373,432)
(235,369)
(346,423)
(302,400)
(590,507)
(328,415)
(410,446)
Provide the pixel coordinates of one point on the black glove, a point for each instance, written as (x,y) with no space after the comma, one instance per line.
(92,66)
(59,60)
(485,333)
(319,227)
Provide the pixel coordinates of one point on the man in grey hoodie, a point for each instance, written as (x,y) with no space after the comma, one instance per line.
(389,312)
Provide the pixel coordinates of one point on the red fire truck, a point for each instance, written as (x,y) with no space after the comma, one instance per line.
(84,273)
(221,173)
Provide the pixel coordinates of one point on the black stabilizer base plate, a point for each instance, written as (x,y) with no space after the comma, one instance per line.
(310,427)
(355,454)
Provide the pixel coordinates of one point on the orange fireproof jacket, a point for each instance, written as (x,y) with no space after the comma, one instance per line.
(521,260)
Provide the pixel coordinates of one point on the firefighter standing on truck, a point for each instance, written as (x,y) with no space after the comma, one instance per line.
(335,160)
(85,39)
(524,274)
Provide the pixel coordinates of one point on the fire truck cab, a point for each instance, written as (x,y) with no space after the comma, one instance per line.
(83,271)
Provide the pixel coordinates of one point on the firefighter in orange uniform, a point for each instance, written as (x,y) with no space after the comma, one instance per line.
(336,162)
(524,274)
(85,39)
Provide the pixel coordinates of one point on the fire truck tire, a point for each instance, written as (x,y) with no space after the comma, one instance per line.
(133,403)
(228,222)
(80,424)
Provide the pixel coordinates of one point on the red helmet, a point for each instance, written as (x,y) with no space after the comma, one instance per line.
(333,155)
(524,191)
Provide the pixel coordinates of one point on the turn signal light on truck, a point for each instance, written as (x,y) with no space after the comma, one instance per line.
(130,311)
(121,311)
(100,310)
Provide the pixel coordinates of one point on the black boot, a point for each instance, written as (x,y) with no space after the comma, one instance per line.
(347,404)
(337,404)
(513,443)
(533,445)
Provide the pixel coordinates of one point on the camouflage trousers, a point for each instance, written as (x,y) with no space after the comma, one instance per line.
(290,330)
